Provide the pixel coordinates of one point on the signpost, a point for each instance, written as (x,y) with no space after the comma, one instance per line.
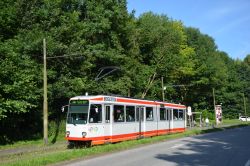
(189,112)
(45,102)
(218,112)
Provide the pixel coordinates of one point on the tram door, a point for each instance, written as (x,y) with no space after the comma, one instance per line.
(140,113)
(108,123)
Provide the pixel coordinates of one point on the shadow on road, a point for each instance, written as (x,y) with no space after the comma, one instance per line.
(227,148)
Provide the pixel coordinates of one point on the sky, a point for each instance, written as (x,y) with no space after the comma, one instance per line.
(226,21)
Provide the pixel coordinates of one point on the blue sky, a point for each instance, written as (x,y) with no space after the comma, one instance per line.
(227,21)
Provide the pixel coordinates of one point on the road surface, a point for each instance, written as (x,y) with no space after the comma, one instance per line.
(227,148)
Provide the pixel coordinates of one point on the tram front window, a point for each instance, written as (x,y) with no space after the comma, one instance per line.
(78,112)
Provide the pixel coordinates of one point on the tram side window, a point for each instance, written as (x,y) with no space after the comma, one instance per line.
(119,113)
(130,113)
(95,115)
(181,117)
(149,114)
(176,116)
(163,114)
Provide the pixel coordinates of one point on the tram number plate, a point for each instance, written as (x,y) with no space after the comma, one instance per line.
(109,99)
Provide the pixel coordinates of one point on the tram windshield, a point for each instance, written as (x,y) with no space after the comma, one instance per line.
(78,112)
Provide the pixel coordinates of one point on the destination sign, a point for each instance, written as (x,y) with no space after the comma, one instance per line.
(82,102)
(110,99)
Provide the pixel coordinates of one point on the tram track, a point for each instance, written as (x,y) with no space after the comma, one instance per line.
(27,151)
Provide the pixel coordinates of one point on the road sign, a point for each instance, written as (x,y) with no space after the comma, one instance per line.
(189,111)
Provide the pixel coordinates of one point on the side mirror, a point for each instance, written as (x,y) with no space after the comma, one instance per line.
(63,108)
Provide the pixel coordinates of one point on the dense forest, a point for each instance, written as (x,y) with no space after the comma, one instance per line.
(85,35)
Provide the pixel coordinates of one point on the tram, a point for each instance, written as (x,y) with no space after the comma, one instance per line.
(95,120)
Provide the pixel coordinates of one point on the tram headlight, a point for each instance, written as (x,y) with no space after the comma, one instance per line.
(84,134)
(67,133)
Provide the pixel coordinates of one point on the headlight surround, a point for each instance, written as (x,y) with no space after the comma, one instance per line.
(67,133)
(84,134)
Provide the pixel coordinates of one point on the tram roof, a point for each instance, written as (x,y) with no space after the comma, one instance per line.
(110,98)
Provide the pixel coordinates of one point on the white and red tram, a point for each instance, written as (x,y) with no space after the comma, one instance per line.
(108,119)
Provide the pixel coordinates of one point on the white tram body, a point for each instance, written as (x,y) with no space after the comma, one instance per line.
(107,119)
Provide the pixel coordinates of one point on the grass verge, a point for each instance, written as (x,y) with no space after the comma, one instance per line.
(56,134)
(45,157)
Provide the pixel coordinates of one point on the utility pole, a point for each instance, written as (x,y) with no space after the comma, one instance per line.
(214,108)
(45,100)
(45,91)
(163,89)
(245,107)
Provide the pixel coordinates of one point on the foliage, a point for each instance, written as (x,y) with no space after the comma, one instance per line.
(84,35)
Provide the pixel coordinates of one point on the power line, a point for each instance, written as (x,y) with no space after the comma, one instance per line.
(182,85)
(110,69)
(64,56)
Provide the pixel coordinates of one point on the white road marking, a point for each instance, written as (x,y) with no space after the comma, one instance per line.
(227,147)
(247,163)
(176,146)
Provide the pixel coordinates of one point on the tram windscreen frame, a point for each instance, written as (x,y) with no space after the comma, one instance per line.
(78,112)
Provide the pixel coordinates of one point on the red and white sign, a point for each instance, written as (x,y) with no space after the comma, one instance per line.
(218,111)
(189,111)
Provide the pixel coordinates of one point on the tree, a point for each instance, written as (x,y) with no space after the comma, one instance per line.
(163,49)
(211,70)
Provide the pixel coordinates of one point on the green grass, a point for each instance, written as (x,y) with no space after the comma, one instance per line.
(33,143)
(60,154)
(22,143)
(231,121)
(56,134)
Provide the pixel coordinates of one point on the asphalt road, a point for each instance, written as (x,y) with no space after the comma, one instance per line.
(227,148)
